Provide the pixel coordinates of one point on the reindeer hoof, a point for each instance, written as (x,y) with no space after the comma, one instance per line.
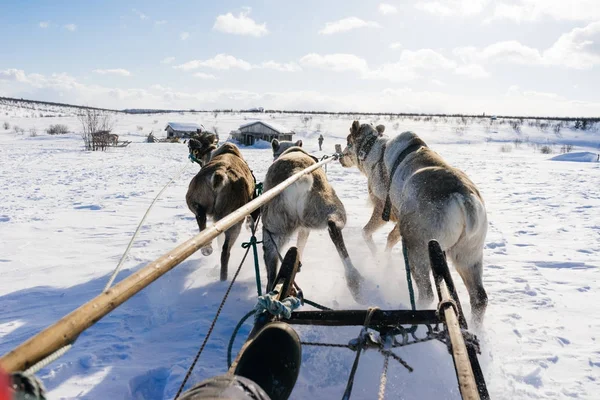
(207,250)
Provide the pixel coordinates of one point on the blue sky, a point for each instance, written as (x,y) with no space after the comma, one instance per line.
(532,57)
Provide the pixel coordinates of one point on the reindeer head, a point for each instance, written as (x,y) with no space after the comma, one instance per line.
(202,146)
(280,147)
(359,134)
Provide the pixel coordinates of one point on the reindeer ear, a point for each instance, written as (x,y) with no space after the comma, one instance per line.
(380,129)
(275,144)
(211,138)
(298,143)
(355,128)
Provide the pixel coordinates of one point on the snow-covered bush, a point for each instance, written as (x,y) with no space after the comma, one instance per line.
(57,129)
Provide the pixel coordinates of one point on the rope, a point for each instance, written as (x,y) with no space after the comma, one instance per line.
(60,352)
(253,242)
(275,307)
(383,380)
(48,360)
(362,341)
(212,325)
(316,305)
(137,230)
(234,334)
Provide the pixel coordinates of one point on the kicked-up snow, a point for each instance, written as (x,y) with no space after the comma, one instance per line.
(66,217)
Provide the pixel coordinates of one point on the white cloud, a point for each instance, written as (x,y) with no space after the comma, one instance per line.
(507,51)
(335,62)
(184,35)
(386,9)
(534,10)
(472,71)
(71,27)
(202,75)
(283,67)
(347,24)
(516,102)
(438,82)
(410,66)
(452,7)
(220,61)
(395,45)
(140,14)
(115,71)
(240,25)
(226,62)
(167,60)
(44,24)
(160,22)
(577,49)
(13,74)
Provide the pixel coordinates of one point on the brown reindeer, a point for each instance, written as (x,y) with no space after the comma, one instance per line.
(223,184)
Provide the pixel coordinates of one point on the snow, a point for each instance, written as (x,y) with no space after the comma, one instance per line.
(276,127)
(581,156)
(67,215)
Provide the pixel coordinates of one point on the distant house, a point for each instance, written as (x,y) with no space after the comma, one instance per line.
(250,132)
(178,129)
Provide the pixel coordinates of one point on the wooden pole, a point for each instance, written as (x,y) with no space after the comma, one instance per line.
(68,328)
(357,317)
(462,363)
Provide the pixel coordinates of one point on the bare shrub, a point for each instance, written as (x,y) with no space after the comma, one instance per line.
(545,149)
(93,122)
(506,148)
(57,129)
(306,120)
(517,142)
(140,128)
(566,148)
(6,126)
(556,129)
(156,121)
(18,130)
(318,127)
(396,126)
(516,126)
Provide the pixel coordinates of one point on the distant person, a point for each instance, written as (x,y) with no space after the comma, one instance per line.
(320,142)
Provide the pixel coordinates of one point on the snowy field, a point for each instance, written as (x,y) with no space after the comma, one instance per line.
(67,215)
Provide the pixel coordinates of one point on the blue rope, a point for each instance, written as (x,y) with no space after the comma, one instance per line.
(234,334)
(253,242)
(278,308)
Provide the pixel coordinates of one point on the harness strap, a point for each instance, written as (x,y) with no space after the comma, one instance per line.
(414,145)
(365,147)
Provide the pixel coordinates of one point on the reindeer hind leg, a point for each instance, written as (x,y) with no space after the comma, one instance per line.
(353,278)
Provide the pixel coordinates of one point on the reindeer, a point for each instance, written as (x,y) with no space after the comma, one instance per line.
(223,184)
(309,203)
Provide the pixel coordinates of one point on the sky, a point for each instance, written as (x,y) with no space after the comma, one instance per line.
(516,57)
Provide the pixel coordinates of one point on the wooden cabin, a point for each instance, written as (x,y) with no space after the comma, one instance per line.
(183,130)
(247,134)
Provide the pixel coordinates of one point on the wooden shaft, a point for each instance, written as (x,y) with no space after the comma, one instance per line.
(68,328)
(357,317)
(462,364)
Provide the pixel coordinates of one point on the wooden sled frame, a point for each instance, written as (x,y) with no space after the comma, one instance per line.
(470,378)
